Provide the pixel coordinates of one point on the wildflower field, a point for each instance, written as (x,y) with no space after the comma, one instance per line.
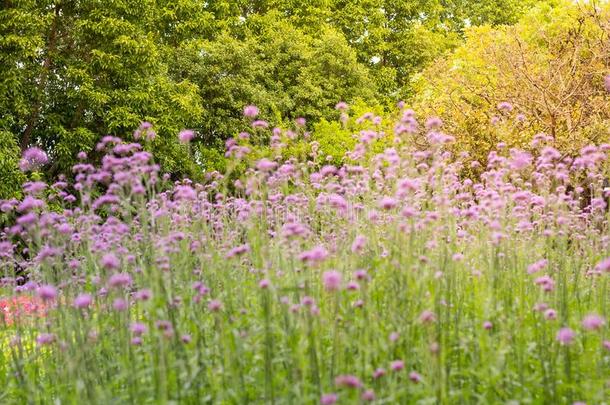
(305,202)
(398,281)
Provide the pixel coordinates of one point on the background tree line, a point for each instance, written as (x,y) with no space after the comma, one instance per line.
(72,71)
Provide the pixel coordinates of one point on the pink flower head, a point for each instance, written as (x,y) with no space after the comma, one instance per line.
(238,251)
(250,111)
(368,395)
(331,280)
(315,255)
(607,82)
(260,124)
(138,328)
(110,261)
(387,203)
(186,136)
(264,283)
(341,106)
(415,377)
(119,280)
(487,325)
(550,314)
(505,106)
(349,381)
(143,295)
(83,301)
(427,317)
(119,305)
(329,399)
(397,365)
(47,292)
(380,372)
(546,282)
(433,123)
(45,339)
(537,266)
(33,159)
(565,336)
(358,244)
(604,265)
(266,165)
(214,305)
(593,322)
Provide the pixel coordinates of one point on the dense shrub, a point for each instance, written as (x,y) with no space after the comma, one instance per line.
(544,74)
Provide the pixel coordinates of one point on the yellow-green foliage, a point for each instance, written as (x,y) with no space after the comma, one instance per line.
(549,67)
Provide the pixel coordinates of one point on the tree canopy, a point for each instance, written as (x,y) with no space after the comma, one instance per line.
(74,71)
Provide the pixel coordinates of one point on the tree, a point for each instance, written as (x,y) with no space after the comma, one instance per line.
(278,67)
(545,74)
(87,69)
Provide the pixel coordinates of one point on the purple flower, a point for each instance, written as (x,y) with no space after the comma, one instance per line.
(415,377)
(45,339)
(331,280)
(378,373)
(565,336)
(604,265)
(266,165)
(119,305)
(387,203)
(328,399)
(186,136)
(358,244)
(427,316)
(349,381)
(264,283)
(33,159)
(341,106)
(110,261)
(138,328)
(368,395)
(607,82)
(47,292)
(315,255)
(143,295)
(215,305)
(397,365)
(487,325)
(238,251)
(250,111)
(83,301)
(537,266)
(260,124)
(550,314)
(505,106)
(433,123)
(593,322)
(119,280)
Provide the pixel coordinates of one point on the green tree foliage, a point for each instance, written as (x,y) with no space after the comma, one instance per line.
(89,68)
(73,71)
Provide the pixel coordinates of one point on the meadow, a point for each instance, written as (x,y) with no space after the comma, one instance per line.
(393,278)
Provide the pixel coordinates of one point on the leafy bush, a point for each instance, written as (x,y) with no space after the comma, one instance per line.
(506,84)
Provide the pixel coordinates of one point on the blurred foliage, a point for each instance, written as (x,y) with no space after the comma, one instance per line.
(549,67)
